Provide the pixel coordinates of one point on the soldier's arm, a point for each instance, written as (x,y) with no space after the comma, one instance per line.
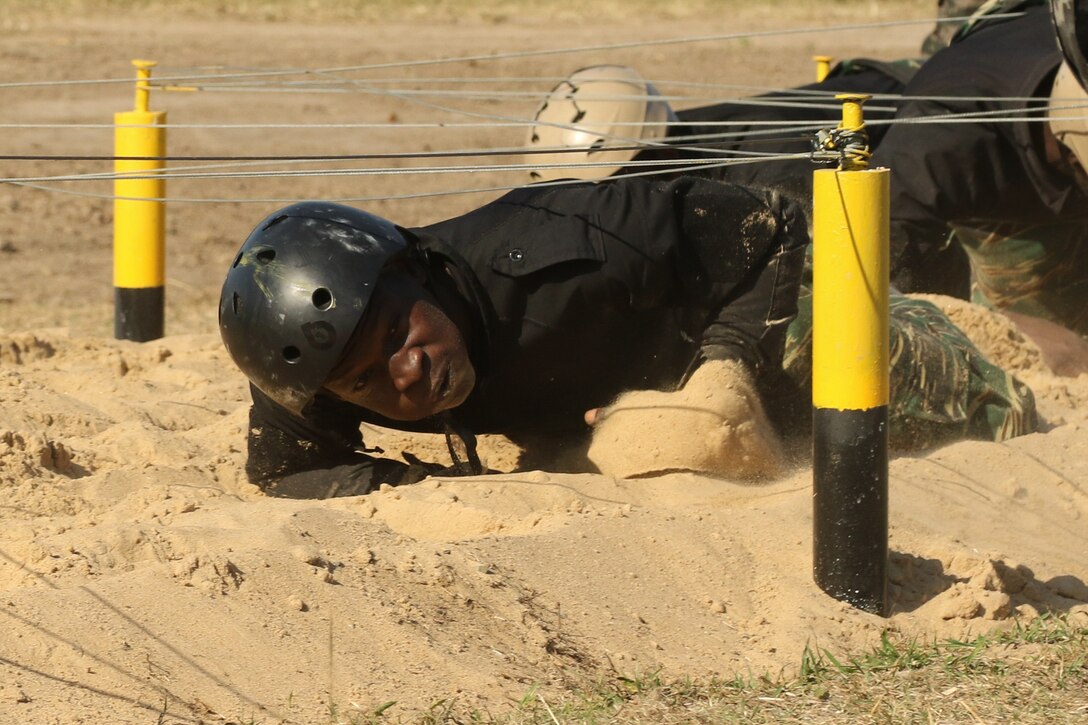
(729,253)
(750,247)
(940,174)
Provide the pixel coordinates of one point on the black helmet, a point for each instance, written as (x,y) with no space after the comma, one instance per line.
(296,292)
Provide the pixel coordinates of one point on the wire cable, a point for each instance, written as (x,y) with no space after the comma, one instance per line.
(395,197)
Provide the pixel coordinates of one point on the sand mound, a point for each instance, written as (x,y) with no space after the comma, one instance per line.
(715,425)
(992,333)
(138,569)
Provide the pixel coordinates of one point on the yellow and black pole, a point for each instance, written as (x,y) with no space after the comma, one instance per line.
(850,371)
(139,216)
(823,66)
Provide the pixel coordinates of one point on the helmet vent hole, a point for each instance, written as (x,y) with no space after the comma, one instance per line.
(236,302)
(292,354)
(322,298)
(266,255)
(237,260)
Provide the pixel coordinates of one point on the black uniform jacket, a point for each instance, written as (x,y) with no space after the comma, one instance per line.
(580,292)
(749,126)
(980,173)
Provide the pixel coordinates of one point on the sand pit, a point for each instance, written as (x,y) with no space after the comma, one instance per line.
(140,573)
(139,568)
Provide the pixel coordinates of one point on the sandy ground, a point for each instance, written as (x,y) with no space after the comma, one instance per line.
(140,574)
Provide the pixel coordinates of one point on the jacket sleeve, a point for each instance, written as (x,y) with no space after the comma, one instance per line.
(747,251)
(940,173)
(319,456)
(980,170)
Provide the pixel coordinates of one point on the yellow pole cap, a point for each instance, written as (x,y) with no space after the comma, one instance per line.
(143,88)
(852,118)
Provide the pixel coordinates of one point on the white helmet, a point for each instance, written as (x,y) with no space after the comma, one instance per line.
(591,111)
(1069,113)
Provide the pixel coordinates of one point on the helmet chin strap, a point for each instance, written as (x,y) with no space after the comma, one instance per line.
(466,462)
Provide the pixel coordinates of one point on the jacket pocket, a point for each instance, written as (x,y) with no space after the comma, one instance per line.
(553,242)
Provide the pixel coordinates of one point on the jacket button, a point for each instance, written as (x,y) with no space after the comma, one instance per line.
(516,255)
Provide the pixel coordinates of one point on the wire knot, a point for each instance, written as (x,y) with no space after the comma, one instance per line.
(849,145)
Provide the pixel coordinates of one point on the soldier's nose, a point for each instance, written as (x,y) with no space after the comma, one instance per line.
(407,367)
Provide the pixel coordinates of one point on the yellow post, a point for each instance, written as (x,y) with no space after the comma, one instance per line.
(139,216)
(850,379)
(823,66)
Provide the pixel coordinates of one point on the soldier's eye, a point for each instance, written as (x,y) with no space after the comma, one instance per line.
(361,382)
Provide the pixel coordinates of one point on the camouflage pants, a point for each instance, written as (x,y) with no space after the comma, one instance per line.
(1040,271)
(942,387)
(943,33)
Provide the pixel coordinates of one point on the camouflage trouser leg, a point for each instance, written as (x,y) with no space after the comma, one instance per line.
(947,33)
(1040,271)
(942,34)
(942,387)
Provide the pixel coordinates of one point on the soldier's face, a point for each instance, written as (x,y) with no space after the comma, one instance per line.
(408,360)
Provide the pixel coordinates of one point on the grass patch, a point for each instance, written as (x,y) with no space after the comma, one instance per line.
(1033,673)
